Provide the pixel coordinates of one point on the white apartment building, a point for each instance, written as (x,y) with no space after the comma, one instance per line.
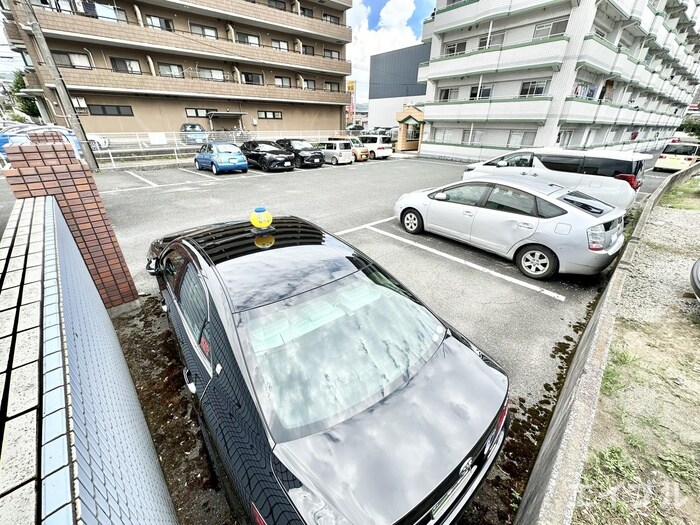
(504,74)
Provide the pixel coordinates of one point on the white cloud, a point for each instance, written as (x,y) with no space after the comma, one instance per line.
(392,32)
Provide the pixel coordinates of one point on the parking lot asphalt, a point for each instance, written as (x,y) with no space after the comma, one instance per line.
(517,320)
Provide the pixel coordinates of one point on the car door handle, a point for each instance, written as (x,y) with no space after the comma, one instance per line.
(525,225)
(468,213)
(188,381)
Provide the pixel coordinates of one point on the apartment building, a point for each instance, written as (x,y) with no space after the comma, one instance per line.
(152,65)
(504,74)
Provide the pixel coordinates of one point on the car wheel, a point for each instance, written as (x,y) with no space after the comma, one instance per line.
(411,221)
(372,155)
(354,157)
(264,165)
(214,169)
(537,262)
(197,165)
(334,161)
(297,162)
(244,170)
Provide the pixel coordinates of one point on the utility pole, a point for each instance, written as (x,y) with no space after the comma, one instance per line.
(61,90)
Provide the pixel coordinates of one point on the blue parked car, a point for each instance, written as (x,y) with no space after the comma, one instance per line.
(20,135)
(220,156)
(193,133)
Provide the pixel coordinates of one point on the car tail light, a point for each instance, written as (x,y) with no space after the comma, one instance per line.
(662,156)
(689,158)
(631,180)
(257,518)
(596,238)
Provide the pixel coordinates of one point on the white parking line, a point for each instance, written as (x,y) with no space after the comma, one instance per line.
(356,228)
(149,182)
(200,174)
(121,190)
(518,282)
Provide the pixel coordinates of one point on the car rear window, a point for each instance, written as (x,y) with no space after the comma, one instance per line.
(589,204)
(607,167)
(345,145)
(680,149)
(386,140)
(560,162)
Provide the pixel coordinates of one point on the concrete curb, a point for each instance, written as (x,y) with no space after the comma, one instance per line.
(550,495)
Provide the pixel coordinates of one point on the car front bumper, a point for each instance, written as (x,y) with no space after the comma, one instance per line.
(312,161)
(230,166)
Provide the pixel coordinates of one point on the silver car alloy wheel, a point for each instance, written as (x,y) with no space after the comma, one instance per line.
(535,262)
(410,221)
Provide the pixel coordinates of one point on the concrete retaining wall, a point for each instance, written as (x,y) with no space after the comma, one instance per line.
(550,495)
(75,447)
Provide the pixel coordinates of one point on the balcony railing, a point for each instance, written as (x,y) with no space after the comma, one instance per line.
(67,25)
(191,84)
(524,109)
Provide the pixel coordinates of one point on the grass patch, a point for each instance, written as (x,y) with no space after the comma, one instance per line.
(612,376)
(681,467)
(684,196)
(631,219)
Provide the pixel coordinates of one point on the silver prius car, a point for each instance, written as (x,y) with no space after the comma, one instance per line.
(544,227)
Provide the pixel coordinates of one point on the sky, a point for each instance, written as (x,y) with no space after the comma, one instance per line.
(379,26)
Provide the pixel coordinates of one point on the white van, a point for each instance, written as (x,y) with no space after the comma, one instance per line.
(380,146)
(337,151)
(611,176)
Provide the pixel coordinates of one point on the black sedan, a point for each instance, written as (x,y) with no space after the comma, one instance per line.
(267,155)
(326,391)
(305,154)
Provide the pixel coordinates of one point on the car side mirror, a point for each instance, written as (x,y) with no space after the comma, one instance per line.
(152,267)
(440,196)
(502,164)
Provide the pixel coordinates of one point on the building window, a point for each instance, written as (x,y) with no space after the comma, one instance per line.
(454,48)
(447,135)
(534,88)
(244,38)
(519,138)
(309,84)
(599,32)
(77,60)
(252,78)
(205,31)
(156,22)
(171,70)
(496,39)
(553,28)
(477,93)
(281,45)
(331,86)
(79,105)
(110,111)
(277,4)
(307,50)
(26,58)
(448,94)
(198,112)
(331,18)
(109,13)
(473,136)
(284,82)
(126,65)
(329,53)
(276,115)
(305,11)
(206,73)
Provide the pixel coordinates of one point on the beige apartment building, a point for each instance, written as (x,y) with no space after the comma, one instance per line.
(152,65)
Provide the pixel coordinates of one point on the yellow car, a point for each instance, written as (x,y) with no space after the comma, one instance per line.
(677,156)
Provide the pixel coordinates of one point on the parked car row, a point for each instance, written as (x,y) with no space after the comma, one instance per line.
(288,153)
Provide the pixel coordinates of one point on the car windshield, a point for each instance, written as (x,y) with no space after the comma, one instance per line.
(325,355)
(356,143)
(680,149)
(589,204)
(192,127)
(263,146)
(301,144)
(227,148)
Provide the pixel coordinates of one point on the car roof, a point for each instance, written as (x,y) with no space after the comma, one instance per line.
(682,144)
(518,182)
(218,142)
(302,257)
(600,153)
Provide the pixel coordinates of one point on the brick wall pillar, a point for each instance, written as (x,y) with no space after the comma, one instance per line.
(51,168)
